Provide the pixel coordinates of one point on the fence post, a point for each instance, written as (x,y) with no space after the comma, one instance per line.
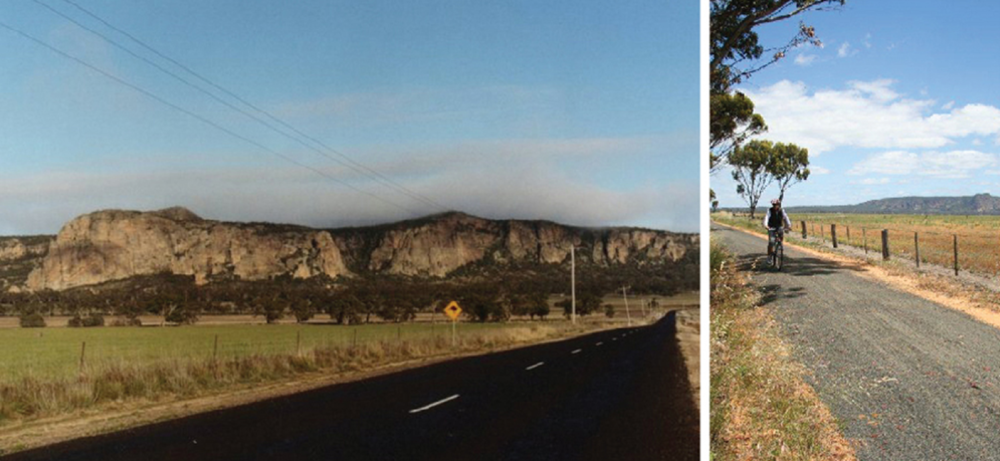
(885,244)
(215,348)
(83,351)
(864,240)
(803,230)
(822,236)
(298,343)
(956,254)
(833,234)
(916,248)
(848,235)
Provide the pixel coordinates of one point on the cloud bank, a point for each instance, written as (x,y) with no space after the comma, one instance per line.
(866,115)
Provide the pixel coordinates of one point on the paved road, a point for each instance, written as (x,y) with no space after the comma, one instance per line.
(620,394)
(907,378)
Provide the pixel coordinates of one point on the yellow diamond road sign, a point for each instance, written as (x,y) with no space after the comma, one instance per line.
(453,310)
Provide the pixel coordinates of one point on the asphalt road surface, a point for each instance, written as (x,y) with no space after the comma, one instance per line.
(907,379)
(619,394)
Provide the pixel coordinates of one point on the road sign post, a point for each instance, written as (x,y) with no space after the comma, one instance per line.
(452,310)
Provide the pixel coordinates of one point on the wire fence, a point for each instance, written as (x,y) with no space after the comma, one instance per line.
(975,251)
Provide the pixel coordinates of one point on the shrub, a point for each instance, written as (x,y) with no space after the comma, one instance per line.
(92,320)
(33,320)
(75,322)
(180,316)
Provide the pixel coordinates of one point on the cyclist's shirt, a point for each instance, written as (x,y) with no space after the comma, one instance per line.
(775,221)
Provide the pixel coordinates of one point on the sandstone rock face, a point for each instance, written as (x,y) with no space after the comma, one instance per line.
(625,244)
(113,245)
(14,249)
(454,240)
(436,248)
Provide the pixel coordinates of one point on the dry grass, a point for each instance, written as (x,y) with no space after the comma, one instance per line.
(689,339)
(760,406)
(130,381)
(978,237)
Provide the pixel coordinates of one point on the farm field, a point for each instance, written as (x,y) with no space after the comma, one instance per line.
(935,236)
(52,353)
(55,352)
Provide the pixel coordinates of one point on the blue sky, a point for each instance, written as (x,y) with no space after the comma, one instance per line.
(579,112)
(901,100)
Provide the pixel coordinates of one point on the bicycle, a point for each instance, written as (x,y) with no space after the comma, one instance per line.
(777,257)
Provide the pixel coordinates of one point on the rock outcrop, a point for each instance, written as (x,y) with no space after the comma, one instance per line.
(14,249)
(438,245)
(113,245)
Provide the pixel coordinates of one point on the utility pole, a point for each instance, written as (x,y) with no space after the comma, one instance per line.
(572,281)
(625,297)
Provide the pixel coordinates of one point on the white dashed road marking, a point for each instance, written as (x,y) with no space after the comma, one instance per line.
(439,402)
(598,344)
(576,351)
(535,366)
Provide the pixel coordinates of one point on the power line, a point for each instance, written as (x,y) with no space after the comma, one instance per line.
(350,163)
(194,115)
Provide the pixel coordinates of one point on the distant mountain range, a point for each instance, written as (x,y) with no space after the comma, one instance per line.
(979,204)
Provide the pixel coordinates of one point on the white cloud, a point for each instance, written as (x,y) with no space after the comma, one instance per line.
(845,50)
(866,115)
(868,40)
(803,59)
(948,105)
(957,164)
(872,181)
(813,169)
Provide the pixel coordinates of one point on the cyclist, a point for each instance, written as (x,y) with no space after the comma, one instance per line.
(776,222)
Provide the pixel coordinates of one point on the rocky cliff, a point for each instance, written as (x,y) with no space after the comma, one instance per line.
(18,257)
(113,245)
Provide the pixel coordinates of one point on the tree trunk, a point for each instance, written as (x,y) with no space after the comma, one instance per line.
(753,209)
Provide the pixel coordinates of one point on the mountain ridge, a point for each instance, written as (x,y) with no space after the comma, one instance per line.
(979,204)
(109,245)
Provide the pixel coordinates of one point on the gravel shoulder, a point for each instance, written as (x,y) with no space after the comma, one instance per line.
(906,377)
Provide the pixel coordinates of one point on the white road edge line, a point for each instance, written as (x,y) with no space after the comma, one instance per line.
(535,366)
(576,351)
(439,402)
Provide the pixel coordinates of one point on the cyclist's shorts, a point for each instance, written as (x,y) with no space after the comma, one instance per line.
(772,236)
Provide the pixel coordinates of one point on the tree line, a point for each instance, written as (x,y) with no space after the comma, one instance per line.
(346,300)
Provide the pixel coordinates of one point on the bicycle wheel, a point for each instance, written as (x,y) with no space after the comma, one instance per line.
(779,256)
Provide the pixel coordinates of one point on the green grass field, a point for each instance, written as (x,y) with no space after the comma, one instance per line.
(55,352)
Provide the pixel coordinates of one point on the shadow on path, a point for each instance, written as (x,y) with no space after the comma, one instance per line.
(773,292)
(795,266)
